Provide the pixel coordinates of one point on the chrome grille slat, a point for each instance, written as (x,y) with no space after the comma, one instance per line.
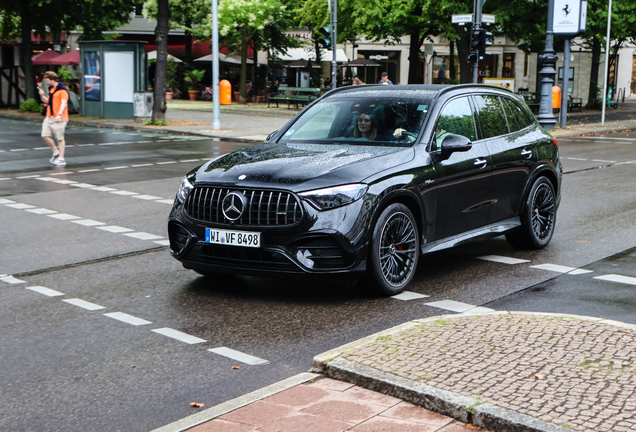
(265,207)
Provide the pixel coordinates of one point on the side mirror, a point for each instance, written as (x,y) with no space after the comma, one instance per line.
(454,143)
(270,136)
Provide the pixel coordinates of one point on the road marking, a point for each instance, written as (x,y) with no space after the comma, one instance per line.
(83,185)
(502,259)
(456,306)
(84,304)
(144,236)
(579,272)
(63,216)
(46,178)
(64,181)
(607,138)
(45,291)
(16,150)
(166,201)
(618,278)
(125,193)
(163,242)
(6,178)
(166,163)
(11,280)
(85,145)
(128,319)
(190,160)
(6,201)
(180,336)
(41,211)
(89,170)
(579,159)
(29,176)
(408,295)
(88,222)
(238,356)
(147,197)
(114,229)
(600,160)
(62,173)
(21,206)
(41,148)
(141,165)
(103,189)
(117,167)
(554,268)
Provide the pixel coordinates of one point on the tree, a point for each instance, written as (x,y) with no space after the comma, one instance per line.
(184,14)
(161,40)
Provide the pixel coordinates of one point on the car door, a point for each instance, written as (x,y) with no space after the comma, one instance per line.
(463,193)
(511,149)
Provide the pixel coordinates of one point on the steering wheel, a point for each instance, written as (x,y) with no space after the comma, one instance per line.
(408,136)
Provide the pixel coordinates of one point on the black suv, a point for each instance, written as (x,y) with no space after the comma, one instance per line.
(367,178)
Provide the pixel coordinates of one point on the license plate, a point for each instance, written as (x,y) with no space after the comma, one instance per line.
(233,238)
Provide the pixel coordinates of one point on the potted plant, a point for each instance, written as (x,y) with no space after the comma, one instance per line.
(193,77)
(172,80)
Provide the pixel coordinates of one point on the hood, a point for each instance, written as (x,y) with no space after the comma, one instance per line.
(301,166)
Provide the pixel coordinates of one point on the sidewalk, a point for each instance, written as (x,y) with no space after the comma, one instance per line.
(253,122)
(500,371)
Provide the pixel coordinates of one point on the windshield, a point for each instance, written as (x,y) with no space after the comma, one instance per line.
(360,121)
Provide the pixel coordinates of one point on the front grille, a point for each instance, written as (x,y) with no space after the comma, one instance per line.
(247,258)
(264,208)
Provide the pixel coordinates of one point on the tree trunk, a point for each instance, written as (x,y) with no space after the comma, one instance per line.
(161,39)
(465,68)
(318,57)
(596,58)
(26,51)
(254,72)
(57,42)
(451,68)
(188,43)
(414,57)
(243,82)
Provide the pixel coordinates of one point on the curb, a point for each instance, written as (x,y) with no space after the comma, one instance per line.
(131,128)
(463,408)
(231,405)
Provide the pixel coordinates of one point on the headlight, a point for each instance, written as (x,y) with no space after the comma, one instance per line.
(184,189)
(325,199)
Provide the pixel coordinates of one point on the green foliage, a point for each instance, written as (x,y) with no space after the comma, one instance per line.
(183,13)
(193,77)
(158,122)
(452,81)
(64,74)
(31,105)
(172,74)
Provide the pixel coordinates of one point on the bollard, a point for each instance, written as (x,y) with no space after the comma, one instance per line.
(225,92)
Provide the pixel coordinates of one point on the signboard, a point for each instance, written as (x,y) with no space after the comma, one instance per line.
(379,57)
(565,18)
(487,19)
(462,18)
(508,83)
(583,19)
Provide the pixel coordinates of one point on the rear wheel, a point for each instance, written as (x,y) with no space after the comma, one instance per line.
(538,217)
(394,250)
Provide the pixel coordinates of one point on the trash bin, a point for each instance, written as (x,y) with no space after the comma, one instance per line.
(143,102)
(556,97)
(225,92)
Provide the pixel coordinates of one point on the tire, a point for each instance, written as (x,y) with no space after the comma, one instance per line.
(394,250)
(537,219)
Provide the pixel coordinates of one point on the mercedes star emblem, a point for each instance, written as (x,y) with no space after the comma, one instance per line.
(234,205)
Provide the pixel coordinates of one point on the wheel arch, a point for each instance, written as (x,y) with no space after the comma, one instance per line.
(410,200)
(543,171)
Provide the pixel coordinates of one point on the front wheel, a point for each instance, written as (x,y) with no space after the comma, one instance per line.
(394,250)
(538,218)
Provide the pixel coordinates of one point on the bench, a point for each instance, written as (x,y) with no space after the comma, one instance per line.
(295,95)
(575,103)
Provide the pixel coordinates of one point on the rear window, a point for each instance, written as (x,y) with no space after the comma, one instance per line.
(519,113)
(491,116)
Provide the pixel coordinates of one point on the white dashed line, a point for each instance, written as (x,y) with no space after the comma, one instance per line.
(502,259)
(408,295)
(554,268)
(147,197)
(618,278)
(579,159)
(65,181)
(45,291)
(83,185)
(84,304)
(62,173)
(29,176)
(456,306)
(21,206)
(41,211)
(17,150)
(11,280)
(104,189)
(46,178)
(605,161)
(579,272)
(166,163)
(238,356)
(115,229)
(85,145)
(166,201)
(6,201)
(190,160)
(88,222)
(117,167)
(125,193)
(141,165)
(64,216)
(144,236)
(128,319)
(163,242)
(41,148)
(6,178)
(89,170)
(180,336)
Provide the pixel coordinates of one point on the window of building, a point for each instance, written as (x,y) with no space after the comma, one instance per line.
(508,70)
(390,61)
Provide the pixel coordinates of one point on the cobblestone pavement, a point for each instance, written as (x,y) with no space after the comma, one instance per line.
(327,405)
(575,372)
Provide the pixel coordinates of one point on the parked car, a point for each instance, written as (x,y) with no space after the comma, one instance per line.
(367,178)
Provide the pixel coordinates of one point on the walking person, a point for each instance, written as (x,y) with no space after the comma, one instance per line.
(56,117)
(385,79)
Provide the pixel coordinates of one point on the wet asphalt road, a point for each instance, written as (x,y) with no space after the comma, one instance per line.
(69,368)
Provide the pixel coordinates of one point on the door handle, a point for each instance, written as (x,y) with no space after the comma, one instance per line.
(526,153)
(481,163)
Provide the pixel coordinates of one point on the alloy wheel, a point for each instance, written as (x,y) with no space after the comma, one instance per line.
(543,212)
(398,249)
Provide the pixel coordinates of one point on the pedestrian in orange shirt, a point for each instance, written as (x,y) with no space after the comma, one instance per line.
(56,117)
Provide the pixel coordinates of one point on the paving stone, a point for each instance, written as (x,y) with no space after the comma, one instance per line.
(222,426)
(391,425)
(413,413)
(258,413)
(306,423)
(344,411)
(298,396)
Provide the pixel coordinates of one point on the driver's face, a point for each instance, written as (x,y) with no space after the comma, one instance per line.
(364,123)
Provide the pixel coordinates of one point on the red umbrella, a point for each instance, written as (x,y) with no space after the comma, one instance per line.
(69,59)
(45,58)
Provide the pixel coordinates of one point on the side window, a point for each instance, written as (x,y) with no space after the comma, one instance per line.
(491,116)
(520,114)
(512,121)
(456,118)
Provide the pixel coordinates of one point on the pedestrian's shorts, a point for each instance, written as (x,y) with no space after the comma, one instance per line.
(52,129)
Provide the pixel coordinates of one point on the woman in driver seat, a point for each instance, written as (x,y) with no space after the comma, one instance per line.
(367,127)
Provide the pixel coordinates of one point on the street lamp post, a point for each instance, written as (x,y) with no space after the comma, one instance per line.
(549,58)
(606,66)
(216,107)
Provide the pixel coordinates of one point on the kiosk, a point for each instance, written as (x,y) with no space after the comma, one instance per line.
(111,71)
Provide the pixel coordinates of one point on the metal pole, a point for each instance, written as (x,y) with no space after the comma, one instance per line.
(607,48)
(216,107)
(549,57)
(476,26)
(334,45)
(566,84)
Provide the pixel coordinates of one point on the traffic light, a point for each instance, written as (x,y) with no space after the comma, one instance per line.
(485,40)
(324,38)
(474,46)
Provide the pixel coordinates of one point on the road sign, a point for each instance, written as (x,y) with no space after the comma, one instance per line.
(462,18)
(487,19)
(378,57)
